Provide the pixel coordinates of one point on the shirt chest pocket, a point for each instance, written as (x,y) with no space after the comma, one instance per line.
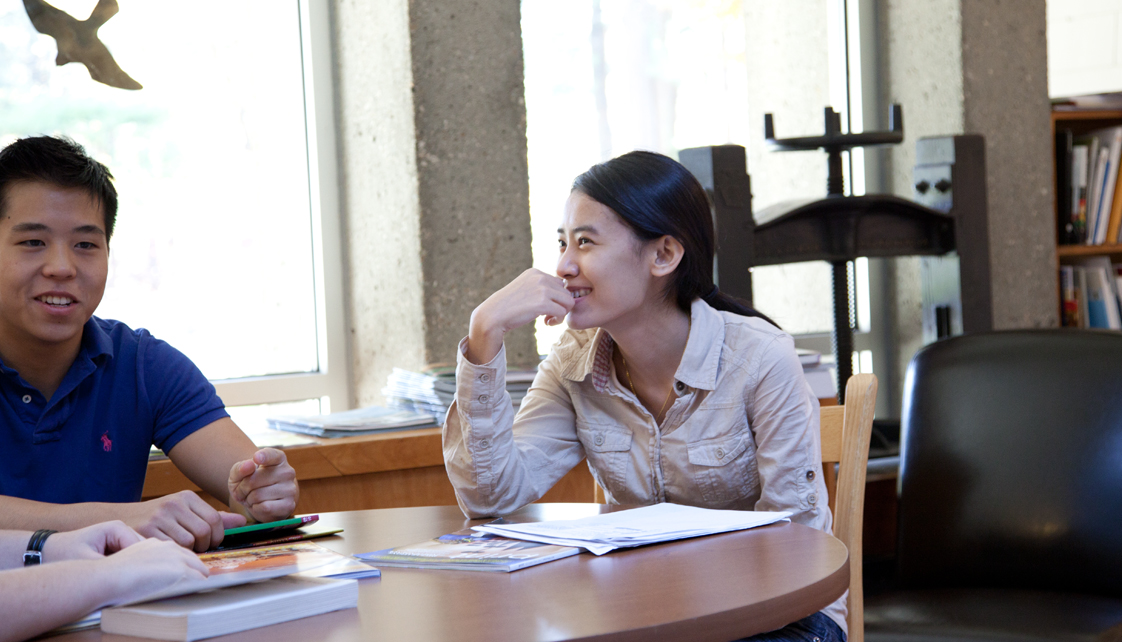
(724,468)
(608,449)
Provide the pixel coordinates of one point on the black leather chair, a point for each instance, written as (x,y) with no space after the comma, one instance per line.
(1010,491)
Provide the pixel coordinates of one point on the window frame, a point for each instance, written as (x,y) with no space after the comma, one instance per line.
(331,381)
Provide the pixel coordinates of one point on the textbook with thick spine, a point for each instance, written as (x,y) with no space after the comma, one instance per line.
(232,609)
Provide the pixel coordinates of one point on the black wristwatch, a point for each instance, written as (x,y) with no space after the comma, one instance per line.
(34,553)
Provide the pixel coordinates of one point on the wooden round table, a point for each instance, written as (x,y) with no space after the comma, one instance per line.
(717,588)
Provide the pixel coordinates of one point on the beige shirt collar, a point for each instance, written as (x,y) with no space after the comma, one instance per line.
(698,368)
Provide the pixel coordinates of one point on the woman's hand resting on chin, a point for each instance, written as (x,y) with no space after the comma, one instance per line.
(531,295)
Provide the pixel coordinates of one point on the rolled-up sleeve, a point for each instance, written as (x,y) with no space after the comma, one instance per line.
(498,462)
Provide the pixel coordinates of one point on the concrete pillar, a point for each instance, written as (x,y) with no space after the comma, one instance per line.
(470,115)
(979,67)
(431,126)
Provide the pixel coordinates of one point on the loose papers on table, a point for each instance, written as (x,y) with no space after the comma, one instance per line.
(600,534)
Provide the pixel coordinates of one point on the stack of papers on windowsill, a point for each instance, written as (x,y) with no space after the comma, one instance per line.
(353,422)
(434,390)
(600,534)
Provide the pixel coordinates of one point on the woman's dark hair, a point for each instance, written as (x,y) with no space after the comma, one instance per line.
(656,196)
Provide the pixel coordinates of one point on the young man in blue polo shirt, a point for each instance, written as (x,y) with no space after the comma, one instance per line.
(82,399)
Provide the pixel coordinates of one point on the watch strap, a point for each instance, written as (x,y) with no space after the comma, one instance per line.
(34,553)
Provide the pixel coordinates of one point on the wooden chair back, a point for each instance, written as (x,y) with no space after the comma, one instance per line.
(845,441)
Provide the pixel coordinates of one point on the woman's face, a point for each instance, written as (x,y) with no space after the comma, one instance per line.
(604,264)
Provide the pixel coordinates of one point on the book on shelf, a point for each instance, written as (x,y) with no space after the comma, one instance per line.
(359,421)
(1098,185)
(468,550)
(1079,194)
(1111,140)
(1070,298)
(1081,289)
(232,609)
(1065,159)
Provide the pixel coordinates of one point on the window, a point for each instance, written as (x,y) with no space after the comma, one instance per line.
(604,77)
(225,241)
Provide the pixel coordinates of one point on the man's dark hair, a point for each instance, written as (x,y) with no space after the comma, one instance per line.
(61,162)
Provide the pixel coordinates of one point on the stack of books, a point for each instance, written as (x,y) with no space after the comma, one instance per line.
(1091,292)
(433,390)
(246,589)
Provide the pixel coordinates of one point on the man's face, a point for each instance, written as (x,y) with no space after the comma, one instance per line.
(54,259)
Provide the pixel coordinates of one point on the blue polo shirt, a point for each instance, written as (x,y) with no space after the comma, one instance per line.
(125,391)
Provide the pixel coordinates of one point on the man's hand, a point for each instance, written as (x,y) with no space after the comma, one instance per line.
(183,518)
(265,485)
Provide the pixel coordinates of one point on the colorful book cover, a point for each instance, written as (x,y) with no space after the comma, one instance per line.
(309,558)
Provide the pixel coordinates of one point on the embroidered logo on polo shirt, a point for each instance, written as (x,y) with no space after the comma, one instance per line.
(106,442)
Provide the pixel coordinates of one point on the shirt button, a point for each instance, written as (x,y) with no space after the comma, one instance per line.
(599,441)
(680,386)
(483,443)
(810,475)
(720,454)
(483,398)
(27,398)
(813,499)
(485,378)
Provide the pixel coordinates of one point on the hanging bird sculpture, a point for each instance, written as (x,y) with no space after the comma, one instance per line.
(78,42)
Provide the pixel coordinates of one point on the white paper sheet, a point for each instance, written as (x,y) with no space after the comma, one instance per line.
(600,534)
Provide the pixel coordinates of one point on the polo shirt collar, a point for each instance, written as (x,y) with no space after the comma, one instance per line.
(96,342)
(698,368)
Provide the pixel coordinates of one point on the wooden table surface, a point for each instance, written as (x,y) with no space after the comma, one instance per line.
(714,588)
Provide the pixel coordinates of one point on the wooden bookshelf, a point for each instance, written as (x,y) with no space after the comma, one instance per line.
(1113,250)
(1079,121)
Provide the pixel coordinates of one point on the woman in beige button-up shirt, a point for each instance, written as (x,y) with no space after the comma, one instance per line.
(673,391)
